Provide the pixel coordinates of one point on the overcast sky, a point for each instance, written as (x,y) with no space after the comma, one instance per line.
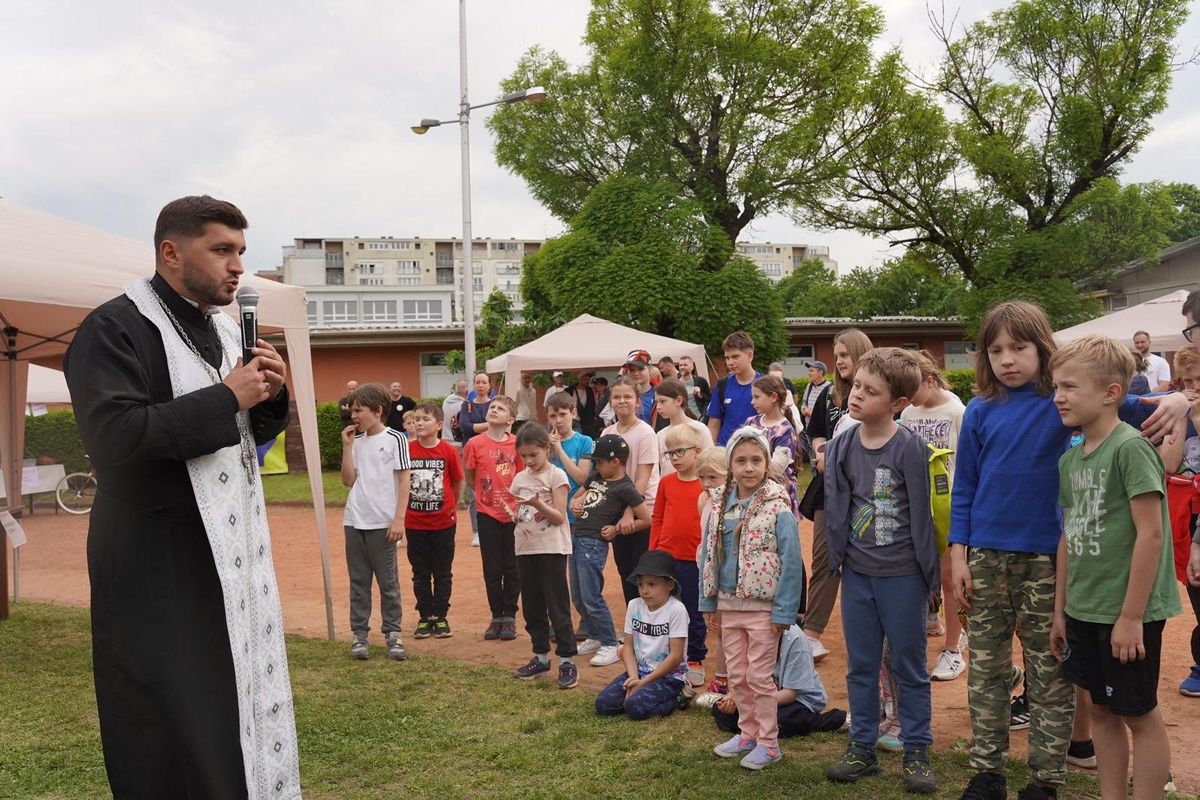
(299,112)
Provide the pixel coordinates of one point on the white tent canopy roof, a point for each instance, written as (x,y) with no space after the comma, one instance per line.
(588,342)
(46,386)
(55,271)
(1161,317)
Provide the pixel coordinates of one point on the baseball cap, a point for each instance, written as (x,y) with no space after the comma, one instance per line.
(610,445)
(656,562)
(557,374)
(638,358)
(817,365)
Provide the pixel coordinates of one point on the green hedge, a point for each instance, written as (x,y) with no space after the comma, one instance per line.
(329,431)
(962,383)
(56,436)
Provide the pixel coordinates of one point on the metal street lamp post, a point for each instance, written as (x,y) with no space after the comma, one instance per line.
(534,94)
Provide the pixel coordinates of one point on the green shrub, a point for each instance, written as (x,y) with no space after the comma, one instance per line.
(56,436)
(962,383)
(329,435)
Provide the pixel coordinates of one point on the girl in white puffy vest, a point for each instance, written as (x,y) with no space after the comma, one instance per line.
(751,572)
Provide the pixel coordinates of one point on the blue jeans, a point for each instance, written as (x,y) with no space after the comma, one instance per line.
(655,699)
(688,575)
(586,567)
(895,607)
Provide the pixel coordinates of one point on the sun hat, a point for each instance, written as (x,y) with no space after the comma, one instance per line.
(656,562)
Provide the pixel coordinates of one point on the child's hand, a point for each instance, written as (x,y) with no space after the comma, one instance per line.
(727,704)
(348,434)
(960,573)
(555,439)
(1058,637)
(780,627)
(609,532)
(576,504)
(1127,645)
(1193,567)
(396,530)
(632,684)
(712,620)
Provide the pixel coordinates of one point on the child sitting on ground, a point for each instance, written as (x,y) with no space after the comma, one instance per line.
(1114,590)
(653,683)
(375,466)
(598,507)
(800,694)
(879,531)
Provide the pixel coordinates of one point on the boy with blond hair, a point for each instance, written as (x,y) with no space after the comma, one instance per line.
(1114,589)
(879,532)
(490,462)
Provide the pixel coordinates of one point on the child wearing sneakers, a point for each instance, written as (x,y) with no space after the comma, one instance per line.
(1114,587)
(598,507)
(542,543)
(800,694)
(675,528)
(653,683)
(375,466)
(879,532)
(490,462)
(437,482)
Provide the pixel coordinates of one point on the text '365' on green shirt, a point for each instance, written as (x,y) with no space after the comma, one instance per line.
(1095,489)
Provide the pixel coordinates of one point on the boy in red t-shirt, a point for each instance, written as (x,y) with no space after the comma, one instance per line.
(491,463)
(437,482)
(675,529)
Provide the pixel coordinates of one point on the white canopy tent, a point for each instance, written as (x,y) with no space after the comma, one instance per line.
(54,272)
(589,342)
(46,385)
(1161,317)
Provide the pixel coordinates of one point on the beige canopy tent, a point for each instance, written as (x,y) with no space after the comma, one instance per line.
(54,272)
(46,385)
(1161,317)
(588,342)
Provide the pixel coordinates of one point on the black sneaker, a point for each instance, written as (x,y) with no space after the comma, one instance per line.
(1082,754)
(1037,791)
(858,761)
(441,628)
(493,630)
(568,675)
(918,777)
(424,629)
(1018,713)
(533,669)
(508,631)
(986,786)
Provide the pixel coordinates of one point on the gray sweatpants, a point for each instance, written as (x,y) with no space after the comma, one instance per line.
(369,553)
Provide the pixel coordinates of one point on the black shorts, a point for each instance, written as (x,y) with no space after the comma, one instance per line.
(1128,690)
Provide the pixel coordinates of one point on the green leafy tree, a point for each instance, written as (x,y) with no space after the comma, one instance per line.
(639,255)
(732,102)
(495,333)
(907,285)
(1003,164)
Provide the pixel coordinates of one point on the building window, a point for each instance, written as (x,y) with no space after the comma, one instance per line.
(361,245)
(408,267)
(802,351)
(335,311)
(370,281)
(433,359)
(387,246)
(408,281)
(422,310)
(312,312)
(911,346)
(959,355)
(379,311)
(335,277)
(1118,302)
(772,269)
(370,268)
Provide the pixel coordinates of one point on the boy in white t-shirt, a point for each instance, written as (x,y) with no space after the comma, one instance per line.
(656,629)
(375,465)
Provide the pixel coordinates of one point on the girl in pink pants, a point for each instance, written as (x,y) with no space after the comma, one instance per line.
(751,572)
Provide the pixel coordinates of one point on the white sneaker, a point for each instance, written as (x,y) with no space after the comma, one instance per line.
(605,655)
(948,667)
(819,650)
(588,646)
(475,540)
(962,640)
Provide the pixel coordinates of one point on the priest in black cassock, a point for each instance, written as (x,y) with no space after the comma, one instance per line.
(191,675)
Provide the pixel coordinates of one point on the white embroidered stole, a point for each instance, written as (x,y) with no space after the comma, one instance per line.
(235,520)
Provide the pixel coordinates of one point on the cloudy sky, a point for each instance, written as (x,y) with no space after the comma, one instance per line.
(299,112)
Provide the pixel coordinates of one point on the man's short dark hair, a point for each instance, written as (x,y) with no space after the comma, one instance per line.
(738,340)
(187,216)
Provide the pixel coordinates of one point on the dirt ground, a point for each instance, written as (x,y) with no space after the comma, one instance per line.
(54,569)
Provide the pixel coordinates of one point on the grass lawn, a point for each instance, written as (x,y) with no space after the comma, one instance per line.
(293,488)
(429,727)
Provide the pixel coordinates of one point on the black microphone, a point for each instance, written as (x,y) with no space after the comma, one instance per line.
(247,300)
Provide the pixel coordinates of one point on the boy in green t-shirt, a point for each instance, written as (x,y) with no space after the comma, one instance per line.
(1115,587)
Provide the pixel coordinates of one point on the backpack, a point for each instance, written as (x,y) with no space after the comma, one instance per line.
(939,494)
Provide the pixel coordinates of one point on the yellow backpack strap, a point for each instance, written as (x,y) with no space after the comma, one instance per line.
(939,494)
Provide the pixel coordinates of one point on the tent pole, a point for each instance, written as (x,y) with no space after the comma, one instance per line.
(12,463)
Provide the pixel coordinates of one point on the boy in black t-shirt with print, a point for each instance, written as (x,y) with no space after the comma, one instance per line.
(598,507)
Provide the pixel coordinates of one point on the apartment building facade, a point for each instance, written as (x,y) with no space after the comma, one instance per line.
(777,261)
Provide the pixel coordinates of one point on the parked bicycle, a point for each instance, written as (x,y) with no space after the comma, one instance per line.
(76,492)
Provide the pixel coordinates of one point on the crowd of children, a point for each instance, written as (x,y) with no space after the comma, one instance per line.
(1071,546)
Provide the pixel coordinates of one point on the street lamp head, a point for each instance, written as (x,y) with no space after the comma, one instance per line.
(425,125)
(534,94)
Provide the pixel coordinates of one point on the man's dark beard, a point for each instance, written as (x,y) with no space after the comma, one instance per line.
(203,291)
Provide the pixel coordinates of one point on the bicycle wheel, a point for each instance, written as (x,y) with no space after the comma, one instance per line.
(76,493)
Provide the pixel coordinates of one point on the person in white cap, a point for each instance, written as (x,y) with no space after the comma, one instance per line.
(559,385)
